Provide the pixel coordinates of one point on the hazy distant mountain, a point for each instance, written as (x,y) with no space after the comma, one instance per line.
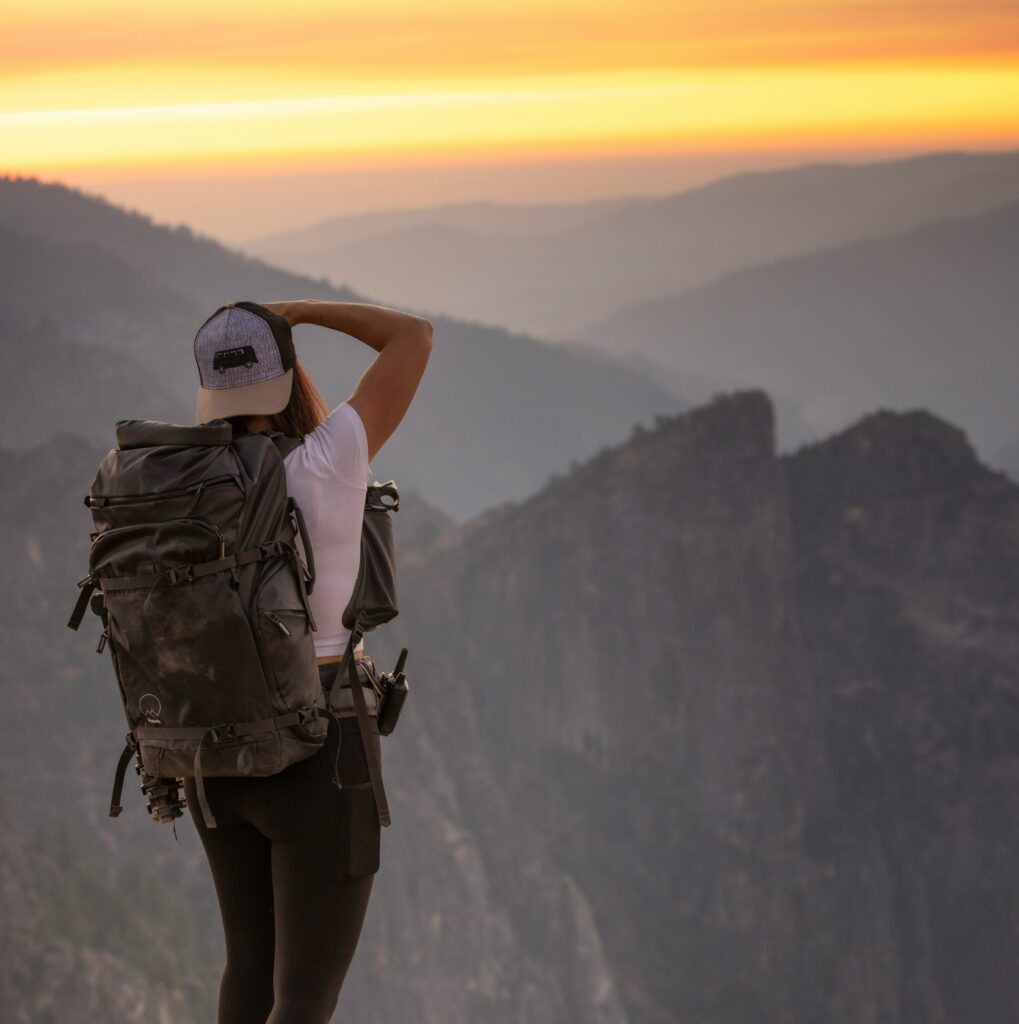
(173,260)
(480,218)
(54,384)
(496,413)
(553,280)
(926,318)
(695,733)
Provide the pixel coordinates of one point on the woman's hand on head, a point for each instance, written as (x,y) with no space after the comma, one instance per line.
(290,311)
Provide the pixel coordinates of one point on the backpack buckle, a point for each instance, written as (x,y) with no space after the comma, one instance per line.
(182,574)
(270,548)
(221,733)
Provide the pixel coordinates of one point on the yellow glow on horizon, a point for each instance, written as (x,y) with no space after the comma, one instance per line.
(113,85)
(629,111)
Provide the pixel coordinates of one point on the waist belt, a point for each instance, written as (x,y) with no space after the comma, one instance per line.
(341,699)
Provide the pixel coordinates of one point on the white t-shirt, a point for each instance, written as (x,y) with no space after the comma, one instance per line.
(328,477)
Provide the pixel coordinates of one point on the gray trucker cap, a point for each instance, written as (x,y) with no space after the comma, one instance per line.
(245,356)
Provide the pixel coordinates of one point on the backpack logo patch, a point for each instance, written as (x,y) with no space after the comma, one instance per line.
(228,357)
(150,706)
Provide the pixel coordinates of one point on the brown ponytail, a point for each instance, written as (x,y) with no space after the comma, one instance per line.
(305,410)
(302,414)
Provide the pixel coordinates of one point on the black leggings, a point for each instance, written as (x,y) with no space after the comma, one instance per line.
(293,861)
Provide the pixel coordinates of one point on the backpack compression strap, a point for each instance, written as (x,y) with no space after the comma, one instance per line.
(87,585)
(118,779)
(195,570)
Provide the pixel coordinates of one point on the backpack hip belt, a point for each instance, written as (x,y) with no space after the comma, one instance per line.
(219,733)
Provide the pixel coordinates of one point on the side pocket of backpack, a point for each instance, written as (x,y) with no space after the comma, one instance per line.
(286,637)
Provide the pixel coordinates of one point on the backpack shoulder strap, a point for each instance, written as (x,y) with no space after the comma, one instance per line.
(284,444)
(306,569)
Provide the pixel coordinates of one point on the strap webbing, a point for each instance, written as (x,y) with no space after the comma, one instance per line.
(196,570)
(361,708)
(203,800)
(118,777)
(88,584)
(302,586)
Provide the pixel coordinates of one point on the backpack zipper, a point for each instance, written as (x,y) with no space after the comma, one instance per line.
(99,501)
(273,617)
(205,524)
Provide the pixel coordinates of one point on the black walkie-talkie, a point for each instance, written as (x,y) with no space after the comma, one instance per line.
(394,687)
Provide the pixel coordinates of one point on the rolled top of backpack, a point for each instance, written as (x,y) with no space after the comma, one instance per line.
(147,433)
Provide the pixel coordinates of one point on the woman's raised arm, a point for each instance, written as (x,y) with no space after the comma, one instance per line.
(403,341)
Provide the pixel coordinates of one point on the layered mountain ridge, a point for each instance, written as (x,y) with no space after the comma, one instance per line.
(697,732)
(99,307)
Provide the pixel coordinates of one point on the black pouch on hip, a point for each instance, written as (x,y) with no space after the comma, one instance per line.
(373,600)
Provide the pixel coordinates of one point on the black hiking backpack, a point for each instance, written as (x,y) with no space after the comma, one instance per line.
(197,576)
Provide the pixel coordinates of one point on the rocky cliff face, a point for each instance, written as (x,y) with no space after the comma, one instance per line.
(695,733)
(908,595)
(756,712)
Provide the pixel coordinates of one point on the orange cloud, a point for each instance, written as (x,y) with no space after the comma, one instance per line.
(388,38)
(115,84)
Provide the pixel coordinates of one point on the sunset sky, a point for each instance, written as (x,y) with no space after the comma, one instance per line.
(179,107)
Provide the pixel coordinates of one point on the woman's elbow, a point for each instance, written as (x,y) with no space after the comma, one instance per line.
(424,328)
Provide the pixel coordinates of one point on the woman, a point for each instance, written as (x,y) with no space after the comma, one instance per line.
(293,866)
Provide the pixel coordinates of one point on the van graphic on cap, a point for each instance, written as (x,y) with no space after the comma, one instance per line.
(245,357)
(227,357)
